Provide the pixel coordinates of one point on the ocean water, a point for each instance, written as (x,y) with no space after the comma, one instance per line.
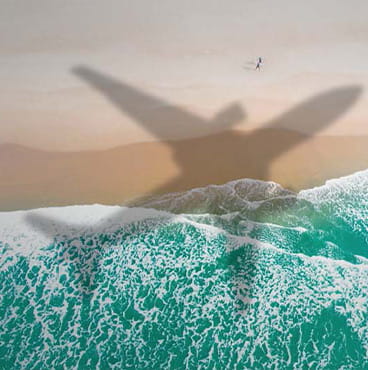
(242,275)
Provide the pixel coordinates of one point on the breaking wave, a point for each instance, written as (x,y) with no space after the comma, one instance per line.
(245,274)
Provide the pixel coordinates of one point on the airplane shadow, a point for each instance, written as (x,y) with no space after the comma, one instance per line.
(312,115)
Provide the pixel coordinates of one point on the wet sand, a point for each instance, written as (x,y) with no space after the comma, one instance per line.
(31,178)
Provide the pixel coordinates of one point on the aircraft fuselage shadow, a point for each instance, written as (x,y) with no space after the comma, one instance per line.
(193,155)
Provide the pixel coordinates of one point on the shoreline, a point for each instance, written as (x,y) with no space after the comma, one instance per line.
(131,173)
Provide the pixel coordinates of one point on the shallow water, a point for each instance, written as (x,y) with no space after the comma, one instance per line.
(243,275)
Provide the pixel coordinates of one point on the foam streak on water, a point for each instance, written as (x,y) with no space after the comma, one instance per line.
(242,275)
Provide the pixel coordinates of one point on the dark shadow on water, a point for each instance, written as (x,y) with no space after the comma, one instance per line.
(311,116)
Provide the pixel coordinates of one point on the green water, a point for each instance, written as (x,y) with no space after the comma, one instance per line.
(244,275)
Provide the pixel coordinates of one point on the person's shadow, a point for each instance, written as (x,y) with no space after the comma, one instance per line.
(312,116)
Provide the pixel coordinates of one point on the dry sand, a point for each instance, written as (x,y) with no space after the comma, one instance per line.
(180,67)
(32,178)
(196,55)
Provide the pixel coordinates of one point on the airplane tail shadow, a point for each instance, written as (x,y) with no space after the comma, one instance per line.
(312,115)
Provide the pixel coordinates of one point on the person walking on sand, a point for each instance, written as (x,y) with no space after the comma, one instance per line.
(258,66)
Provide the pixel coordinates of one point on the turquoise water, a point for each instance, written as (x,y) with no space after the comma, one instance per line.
(243,275)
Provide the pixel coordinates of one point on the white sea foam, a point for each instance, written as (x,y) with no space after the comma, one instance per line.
(22,229)
(346,183)
(247,291)
(18,228)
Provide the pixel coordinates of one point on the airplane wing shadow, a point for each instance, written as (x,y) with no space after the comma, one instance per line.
(311,115)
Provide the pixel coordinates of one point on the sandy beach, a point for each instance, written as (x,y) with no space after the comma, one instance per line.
(110,105)
(112,113)
(32,178)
